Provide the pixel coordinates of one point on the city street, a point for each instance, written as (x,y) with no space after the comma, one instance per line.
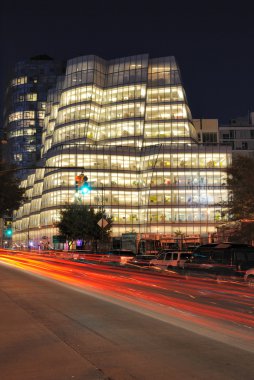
(127,192)
(67,320)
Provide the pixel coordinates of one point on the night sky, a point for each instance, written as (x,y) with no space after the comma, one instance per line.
(214,46)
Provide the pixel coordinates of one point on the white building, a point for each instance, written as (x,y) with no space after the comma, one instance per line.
(128,124)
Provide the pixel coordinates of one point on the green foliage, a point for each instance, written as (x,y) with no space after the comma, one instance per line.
(179,233)
(243,234)
(80,222)
(241,188)
(11,195)
(240,206)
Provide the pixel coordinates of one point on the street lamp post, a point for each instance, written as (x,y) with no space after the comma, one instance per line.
(157,150)
(2,231)
(28,237)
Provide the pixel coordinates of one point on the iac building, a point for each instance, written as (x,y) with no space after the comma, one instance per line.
(128,124)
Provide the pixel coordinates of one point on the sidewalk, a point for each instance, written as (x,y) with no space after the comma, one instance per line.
(28,349)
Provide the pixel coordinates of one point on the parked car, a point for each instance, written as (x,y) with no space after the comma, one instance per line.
(171,259)
(141,260)
(222,258)
(249,277)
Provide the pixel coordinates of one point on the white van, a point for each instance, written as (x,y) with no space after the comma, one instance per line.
(171,259)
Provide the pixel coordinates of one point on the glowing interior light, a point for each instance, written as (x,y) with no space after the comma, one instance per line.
(143,91)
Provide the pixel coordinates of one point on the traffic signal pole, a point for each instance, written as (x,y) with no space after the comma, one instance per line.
(2,231)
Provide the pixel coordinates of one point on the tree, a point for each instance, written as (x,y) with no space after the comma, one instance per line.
(179,236)
(80,222)
(240,205)
(244,233)
(241,188)
(11,195)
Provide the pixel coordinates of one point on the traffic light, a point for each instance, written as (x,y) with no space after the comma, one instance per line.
(77,182)
(8,228)
(81,184)
(85,188)
(8,232)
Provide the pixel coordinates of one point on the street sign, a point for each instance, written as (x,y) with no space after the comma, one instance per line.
(102,223)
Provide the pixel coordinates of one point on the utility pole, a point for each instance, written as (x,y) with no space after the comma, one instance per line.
(2,231)
(102,223)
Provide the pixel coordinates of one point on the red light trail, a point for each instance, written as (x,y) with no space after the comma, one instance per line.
(225,310)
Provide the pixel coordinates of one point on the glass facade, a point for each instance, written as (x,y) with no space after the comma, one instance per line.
(25,107)
(127,123)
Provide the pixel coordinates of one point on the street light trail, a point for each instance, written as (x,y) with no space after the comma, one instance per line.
(221,308)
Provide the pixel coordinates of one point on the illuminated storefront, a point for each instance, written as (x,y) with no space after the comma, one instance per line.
(128,124)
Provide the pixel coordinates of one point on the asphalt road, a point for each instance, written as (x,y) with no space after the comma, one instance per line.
(77,321)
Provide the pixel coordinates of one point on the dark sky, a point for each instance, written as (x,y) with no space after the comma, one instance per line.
(214,46)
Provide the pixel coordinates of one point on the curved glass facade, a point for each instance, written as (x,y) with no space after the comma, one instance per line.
(128,124)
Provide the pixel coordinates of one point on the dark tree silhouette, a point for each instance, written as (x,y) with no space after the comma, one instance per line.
(240,206)
(11,195)
(241,188)
(81,222)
